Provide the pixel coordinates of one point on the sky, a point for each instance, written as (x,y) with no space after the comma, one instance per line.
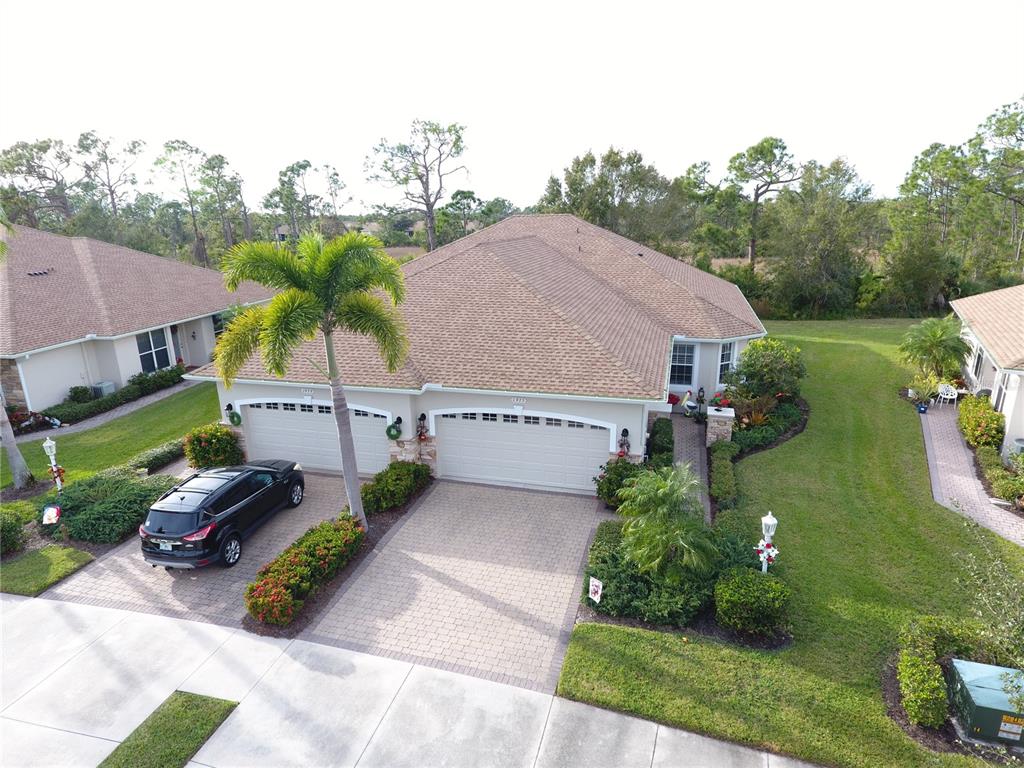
(535,84)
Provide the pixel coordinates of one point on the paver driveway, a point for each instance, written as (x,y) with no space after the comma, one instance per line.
(122,579)
(476,579)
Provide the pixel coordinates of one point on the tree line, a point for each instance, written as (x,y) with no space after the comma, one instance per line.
(802,238)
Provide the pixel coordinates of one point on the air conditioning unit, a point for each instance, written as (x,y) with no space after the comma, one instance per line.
(102,388)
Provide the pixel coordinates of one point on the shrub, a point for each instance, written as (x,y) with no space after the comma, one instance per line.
(283,584)
(723,488)
(751,603)
(756,437)
(924,386)
(768,367)
(12,532)
(980,422)
(1006,483)
(921,646)
(80,395)
(157,380)
(158,457)
(215,445)
(785,417)
(1009,487)
(661,443)
(612,477)
(108,506)
(394,485)
(725,448)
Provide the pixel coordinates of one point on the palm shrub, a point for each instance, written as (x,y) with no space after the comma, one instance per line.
(935,346)
(665,534)
(347,284)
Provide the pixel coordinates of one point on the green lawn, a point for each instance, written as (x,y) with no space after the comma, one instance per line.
(33,572)
(864,547)
(85,453)
(170,736)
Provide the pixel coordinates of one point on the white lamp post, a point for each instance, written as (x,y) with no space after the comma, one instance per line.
(50,449)
(767,551)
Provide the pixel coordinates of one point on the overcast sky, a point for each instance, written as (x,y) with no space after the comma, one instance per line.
(266,84)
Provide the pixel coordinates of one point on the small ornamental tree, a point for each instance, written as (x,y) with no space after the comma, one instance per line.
(768,367)
(214,445)
(935,346)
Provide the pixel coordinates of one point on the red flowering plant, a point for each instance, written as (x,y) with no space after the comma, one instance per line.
(283,584)
(214,445)
(673,398)
(719,400)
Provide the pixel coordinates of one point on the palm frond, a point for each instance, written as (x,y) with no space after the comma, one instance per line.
(265,263)
(238,343)
(310,248)
(370,315)
(291,317)
(382,273)
(344,255)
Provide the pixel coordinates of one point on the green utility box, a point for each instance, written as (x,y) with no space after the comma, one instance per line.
(982,705)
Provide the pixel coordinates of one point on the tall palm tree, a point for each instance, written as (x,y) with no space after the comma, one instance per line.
(348,284)
(19,469)
(935,346)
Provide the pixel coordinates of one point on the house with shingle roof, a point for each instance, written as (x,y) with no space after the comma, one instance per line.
(79,312)
(993,324)
(539,347)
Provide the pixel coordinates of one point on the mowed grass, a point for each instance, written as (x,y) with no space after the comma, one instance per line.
(34,571)
(84,453)
(170,736)
(864,547)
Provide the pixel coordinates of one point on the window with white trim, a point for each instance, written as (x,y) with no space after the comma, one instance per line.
(218,324)
(1004,381)
(469,416)
(449,415)
(533,420)
(553,422)
(508,418)
(488,417)
(288,406)
(979,355)
(306,408)
(323,409)
(255,405)
(378,416)
(153,350)
(681,370)
(724,360)
(574,424)
(358,412)
(595,426)
(271,406)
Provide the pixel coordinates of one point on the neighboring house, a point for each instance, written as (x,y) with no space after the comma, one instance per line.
(993,324)
(76,311)
(536,345)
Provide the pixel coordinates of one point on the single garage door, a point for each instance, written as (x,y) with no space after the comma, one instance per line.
(307,434)
(514,449)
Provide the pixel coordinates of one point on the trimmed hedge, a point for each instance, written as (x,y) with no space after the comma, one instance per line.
(1005,483)
(612,477)
(661,444)
(751,603)
(158,457)
(283,584)
(72,410)
(213,445)
(108,506)
(923,643)
(394,485)
(12,532)
(980,423)
(723,487)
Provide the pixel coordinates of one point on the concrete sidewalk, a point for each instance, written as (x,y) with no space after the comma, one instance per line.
(77,679)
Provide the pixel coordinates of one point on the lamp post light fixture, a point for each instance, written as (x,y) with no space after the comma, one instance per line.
(50,449)
(767,551)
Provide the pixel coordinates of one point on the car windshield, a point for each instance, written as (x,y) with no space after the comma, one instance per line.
(171,523)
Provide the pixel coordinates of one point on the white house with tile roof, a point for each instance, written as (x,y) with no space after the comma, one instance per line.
(76,312)
(993,324)
(537,345)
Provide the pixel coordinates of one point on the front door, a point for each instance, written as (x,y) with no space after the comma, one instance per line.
(177,344)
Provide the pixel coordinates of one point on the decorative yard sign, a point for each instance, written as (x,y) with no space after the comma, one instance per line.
(595,589)
(51,514)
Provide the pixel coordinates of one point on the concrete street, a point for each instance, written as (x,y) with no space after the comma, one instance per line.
(77,679)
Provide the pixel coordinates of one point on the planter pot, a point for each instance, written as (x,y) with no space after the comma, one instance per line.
(922,407)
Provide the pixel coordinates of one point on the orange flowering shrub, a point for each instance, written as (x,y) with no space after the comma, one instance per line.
(980,422)
(213,445)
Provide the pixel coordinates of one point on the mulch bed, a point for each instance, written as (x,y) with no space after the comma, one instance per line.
(380,524)
(703,626)
(944,739)
(29,491)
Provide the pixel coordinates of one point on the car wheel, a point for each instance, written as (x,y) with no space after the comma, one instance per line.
(230,550)
(295,494)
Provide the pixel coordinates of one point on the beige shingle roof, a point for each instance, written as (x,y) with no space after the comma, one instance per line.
(541,303)
(56,289)
(997,319)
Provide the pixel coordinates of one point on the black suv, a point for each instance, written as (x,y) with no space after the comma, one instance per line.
(204,519)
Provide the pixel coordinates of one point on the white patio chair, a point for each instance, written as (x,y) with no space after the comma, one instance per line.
(947,394)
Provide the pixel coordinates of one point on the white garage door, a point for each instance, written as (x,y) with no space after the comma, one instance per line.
(307,434)
(513,449)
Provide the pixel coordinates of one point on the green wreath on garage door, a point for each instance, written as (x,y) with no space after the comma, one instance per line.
(235,418)
(393,431)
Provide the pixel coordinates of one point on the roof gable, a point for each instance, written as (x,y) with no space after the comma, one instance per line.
(997,319)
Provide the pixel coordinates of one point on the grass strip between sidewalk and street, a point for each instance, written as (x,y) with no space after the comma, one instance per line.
(170,736)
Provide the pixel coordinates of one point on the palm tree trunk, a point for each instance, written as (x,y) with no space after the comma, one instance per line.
(348,447)
(19,469)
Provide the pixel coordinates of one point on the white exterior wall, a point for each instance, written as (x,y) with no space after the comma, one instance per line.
(1013,410)
(197,351)
(107,368)
(48,375)
(126,351)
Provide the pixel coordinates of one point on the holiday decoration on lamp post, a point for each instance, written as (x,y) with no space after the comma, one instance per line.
(624,442)
(766,551)
(55,471)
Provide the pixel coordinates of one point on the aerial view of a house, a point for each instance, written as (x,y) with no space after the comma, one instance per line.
(504,409)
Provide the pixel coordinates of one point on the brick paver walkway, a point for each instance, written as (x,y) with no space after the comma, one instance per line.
(479,580)
(122,579)
(951,465)
(690,448)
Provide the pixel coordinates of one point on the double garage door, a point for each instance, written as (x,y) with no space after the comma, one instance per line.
(307,434)
(517,449)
